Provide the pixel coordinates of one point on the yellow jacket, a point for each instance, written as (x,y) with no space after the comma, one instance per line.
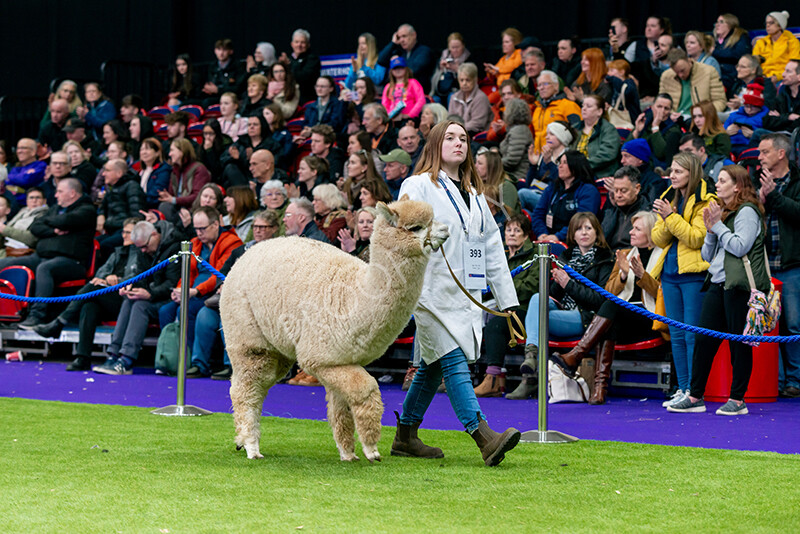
(688,228)
(777,54)
(560,109)
(705,85)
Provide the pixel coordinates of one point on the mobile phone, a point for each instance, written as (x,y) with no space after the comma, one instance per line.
(448,60)
(613,30)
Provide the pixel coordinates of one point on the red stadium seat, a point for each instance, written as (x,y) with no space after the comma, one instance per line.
(195,112)
(89,272)
(212,112)
(14,280)
(161,131)
(295,126)
(159,112)
(195,132)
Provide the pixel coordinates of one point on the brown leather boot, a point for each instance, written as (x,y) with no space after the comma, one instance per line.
(494,446)
(602,371)
(492,386)
(406,442)
(569,362)
(300,376)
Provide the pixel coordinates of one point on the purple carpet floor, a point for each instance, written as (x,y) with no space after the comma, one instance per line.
(771,427)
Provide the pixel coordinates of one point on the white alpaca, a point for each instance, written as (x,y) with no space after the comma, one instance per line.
(294,299)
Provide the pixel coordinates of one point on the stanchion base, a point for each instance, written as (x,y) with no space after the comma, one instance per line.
(181,411)
(546,436)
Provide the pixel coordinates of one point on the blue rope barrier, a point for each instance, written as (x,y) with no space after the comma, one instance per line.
(207,266)
(96,293)
(524,267)
(677,324)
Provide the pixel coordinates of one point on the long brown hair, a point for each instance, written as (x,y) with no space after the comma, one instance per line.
(244,202)
(407,75)
(737,32)
(577,220)
(494,178)
(431,159)
(746,192)
(713,126)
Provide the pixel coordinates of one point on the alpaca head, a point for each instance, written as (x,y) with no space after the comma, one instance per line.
(409,225)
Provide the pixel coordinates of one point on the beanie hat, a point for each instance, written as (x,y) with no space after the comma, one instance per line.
(781,17)
(754,95)
(638,148)
(561,133)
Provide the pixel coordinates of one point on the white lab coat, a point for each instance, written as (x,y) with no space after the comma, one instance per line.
(445,317)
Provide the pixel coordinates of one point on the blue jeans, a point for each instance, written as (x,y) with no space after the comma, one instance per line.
(207,327)
(528,198)
(790,325)
(683,303)
(453,366)
(563,323)
(169,312)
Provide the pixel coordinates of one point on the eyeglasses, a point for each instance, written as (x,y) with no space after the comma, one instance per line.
(263,226)
(544,84)
(201,229)
(143,248)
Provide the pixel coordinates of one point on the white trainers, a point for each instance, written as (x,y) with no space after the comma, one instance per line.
(675,398)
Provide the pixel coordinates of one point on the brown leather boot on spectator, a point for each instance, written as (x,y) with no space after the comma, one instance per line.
(494,446)
(602,371)
(570,361)
(301,375)
(308,380)
(409,377)
(492,386)
(407,443)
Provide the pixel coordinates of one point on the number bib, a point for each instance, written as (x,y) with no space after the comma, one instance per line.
(474,265)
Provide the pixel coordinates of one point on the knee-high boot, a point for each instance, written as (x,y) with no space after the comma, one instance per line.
(602,371)
(570,361)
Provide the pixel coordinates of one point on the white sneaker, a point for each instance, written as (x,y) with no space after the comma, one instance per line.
(675,398)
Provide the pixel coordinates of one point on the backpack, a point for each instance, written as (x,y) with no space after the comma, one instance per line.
(168,350)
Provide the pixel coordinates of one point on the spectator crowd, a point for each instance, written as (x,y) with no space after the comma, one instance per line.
(662,168)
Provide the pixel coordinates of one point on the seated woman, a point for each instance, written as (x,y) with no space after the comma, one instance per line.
(630,280)
(706,123)
(431,115)
(511,59)
(187,179)
(592,78)
(698,47)
(140,128)
(326,109)
(97,110)
(309,171)
(499,189)
(124,263)
(82,169)
(153,172)
(329,212)
(748,70)
(365,63)
(274,198)
(213,147)
(734,248)
(514,146)
(622,83)
(262,59)
(778,46)
(186,87)
(571,305)
(374,191)
(230,122)
(283,90)
(469,102)
(495,333)
(363,93)
(731,43)
(573,192)
(403,96)
(113,130)
(242,206)
(544,169)
(236,161)
(280,133)
(359,246)
(210,195)
(444,79)
(598,139)
(256,97)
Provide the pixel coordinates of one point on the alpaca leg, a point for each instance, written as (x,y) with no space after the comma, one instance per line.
(254,372)
(341,420)
(360,390)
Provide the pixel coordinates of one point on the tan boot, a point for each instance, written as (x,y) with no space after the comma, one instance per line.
(308,380)
(407,443)
(492,386)
(602,371)
(494,446)
(300,376)
(569,362)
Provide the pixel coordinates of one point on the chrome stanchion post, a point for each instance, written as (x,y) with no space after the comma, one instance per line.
(180,408)
(542,435)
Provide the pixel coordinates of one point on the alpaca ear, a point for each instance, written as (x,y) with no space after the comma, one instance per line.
(404,197)
(387,213)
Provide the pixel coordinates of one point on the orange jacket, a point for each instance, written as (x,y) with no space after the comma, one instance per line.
(226,243)
(557,110)
(507,65)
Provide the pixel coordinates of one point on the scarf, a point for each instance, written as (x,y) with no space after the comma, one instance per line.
(579,262)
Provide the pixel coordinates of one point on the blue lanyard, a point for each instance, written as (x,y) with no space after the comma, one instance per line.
(455,205)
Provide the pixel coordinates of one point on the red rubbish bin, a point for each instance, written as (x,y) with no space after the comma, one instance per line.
(763,386)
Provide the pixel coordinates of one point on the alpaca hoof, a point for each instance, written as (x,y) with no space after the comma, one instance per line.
(255,456)
(348,457)
(252,452)
(239,447)
(372,454)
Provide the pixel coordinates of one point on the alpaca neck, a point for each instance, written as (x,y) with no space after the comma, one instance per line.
(391,273)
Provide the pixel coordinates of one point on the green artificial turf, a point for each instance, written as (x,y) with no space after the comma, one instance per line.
(94,468)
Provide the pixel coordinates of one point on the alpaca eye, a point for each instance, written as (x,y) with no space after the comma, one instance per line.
(415,228)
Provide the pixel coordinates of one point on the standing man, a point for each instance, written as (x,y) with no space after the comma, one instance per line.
(780,194)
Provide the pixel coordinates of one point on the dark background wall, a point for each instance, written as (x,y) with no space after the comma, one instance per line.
(46,39)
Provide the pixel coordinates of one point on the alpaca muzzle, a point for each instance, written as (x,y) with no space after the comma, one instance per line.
(437,235)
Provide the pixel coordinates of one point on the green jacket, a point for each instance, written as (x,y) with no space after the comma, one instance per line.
(735,272)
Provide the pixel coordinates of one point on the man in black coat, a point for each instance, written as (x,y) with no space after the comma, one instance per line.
(419,58)
(123,199)
(625,199)
(226,75)
(52,135)
(305,64)
(65,246)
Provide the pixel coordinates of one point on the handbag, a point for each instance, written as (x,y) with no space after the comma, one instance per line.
(561,388)
(764,311)
(12,252)
(661,309)
(618,115)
